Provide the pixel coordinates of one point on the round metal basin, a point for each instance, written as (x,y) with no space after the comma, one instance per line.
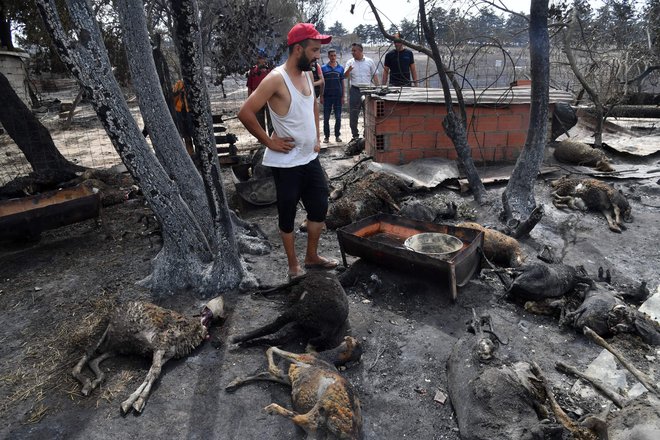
(434,244)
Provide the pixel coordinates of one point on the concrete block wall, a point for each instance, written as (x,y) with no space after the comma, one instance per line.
(399,132)
(12,67)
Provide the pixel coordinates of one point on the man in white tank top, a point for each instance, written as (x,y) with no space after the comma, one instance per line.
(292,149)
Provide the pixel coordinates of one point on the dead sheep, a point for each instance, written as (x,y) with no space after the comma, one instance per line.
(592,195)
(539,281)
(579,153)
(498,247)
(607,314)
(319,307)
(145,329)
(324,402)
(375,193)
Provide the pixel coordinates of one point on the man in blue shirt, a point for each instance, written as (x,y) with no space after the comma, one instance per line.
(333,95)
(400,66)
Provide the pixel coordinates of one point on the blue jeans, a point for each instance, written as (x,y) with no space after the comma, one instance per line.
(331,103)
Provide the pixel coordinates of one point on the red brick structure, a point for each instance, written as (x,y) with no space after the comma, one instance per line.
(400,128)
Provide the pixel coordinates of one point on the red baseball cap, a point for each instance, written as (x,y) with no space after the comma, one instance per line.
(305,31)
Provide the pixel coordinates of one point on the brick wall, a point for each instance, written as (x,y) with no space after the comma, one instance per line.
(399,132)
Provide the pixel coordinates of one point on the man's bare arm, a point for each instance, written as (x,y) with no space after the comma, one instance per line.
(386,72)
(255,102)
(413,72)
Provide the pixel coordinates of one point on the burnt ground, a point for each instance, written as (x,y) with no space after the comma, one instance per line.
(55,292)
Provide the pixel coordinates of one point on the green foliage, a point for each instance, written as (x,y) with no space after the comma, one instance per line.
(337,29)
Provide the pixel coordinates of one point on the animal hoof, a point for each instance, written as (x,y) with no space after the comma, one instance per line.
(232,386)
(125,408)
(271,409)
(138,406)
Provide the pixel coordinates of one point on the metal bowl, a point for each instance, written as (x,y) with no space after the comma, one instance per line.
(434,244)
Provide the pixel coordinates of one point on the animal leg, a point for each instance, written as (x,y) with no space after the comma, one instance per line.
(617,217)
(309,422)
(610,221)
(159,360)
(94,366)
(295,357)
(77,370)
(263,376)
(77,373)
(137,399)
(267,329)
(274,374)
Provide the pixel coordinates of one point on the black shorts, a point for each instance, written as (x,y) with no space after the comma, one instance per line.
(306,183)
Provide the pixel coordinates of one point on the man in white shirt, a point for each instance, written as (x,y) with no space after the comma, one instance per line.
(360,72)
(292,150)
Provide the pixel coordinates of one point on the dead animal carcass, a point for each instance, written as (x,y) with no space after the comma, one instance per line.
(486,399)
(606,314)
(498,247)
(375,193)
(593,195)
(579,153)
(319,307)
(324,402)
(538,281)
(146,329)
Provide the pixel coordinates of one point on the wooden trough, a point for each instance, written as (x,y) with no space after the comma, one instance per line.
(380,240)
(29,216)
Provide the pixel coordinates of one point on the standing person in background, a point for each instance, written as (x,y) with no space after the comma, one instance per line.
(292,150)
(361,72)
(319,82)
(255,75)
(333,95)
(183,118)
(400,65)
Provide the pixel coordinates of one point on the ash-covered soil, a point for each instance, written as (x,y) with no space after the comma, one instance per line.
(55,294)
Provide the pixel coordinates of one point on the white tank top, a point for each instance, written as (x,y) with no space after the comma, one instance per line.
(297,123)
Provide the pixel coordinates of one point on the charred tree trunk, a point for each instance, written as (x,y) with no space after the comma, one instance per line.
(5,28)
(453,124)
(593,95)
(199,250)
(518,197)
(32,138)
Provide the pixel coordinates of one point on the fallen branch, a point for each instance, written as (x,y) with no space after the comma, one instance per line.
(600,386)
(578,431)
(641,377)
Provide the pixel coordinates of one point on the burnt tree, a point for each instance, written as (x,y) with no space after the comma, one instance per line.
(32,138)
(518,200)
(454,125)
(200,250)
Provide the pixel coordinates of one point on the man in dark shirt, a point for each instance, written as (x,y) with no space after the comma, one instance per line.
(333,95)
(400,65)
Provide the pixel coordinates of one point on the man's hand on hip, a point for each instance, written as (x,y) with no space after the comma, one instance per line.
(281,144)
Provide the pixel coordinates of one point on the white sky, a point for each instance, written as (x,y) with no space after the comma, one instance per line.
(392,11)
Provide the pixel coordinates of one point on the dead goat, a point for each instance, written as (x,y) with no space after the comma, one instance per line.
(607,314)
(324,402)
(592,195)
(139,327)
(498,247)
(579,153)
(319,307)
(370,195)
(539,281)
